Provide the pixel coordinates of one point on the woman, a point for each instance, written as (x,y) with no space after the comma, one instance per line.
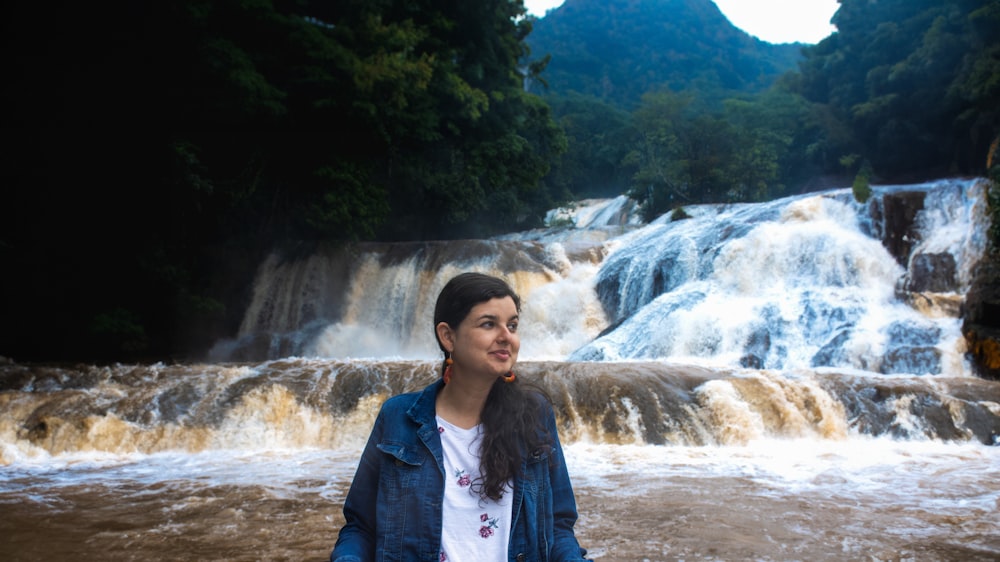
(470,468)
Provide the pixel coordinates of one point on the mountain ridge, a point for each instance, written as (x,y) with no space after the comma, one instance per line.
(687,45)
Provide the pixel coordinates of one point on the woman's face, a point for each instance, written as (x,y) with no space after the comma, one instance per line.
(486,341)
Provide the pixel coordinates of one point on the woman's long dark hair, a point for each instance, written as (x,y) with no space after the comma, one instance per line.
(512,416)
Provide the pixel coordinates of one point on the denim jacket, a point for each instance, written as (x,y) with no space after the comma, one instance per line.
(393,509)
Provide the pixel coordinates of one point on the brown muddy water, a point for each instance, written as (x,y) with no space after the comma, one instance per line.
(775,500)
(252,462)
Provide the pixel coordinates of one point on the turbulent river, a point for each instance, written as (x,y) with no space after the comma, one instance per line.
(777,381)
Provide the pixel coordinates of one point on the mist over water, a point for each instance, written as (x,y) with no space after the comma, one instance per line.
(755,382)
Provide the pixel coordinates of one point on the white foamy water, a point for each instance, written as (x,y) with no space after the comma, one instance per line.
(794,283)
(802,282)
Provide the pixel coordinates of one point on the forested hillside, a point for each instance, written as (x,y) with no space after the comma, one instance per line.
(156,151)
(903,91)
(915,83)
(618,50)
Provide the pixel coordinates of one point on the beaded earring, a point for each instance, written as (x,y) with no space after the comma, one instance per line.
(447,370)
(509,377)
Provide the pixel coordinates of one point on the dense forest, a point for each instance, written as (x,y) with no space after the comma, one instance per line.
(904,90)
(618,51)
(156,151)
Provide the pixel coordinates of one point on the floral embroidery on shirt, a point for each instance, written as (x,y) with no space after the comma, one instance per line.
(463,478)
(440,430)
(443,556)
(486,531)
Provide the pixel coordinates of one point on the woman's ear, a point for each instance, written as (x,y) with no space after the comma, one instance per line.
(445,336)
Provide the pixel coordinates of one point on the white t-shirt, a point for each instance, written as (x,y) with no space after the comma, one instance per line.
(473,529)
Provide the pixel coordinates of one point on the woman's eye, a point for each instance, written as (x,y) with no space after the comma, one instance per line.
(512,327)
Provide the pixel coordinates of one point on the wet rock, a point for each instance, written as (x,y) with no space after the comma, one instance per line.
(833,353)
(934,273)
(894,220)
(758,346)
(981,318)
(916,360)
(982,422)
(911,349)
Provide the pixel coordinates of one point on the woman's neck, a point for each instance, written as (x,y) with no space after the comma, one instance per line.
(461,404)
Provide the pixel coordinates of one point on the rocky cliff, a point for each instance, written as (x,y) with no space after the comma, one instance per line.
(981,317)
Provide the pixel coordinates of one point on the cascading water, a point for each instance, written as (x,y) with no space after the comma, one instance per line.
(775,381)
(801,282)
(795,283)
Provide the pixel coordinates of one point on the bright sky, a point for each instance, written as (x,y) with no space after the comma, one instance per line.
(774,21)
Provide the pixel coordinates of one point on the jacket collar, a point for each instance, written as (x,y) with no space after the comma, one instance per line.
(422,413)
(423,409)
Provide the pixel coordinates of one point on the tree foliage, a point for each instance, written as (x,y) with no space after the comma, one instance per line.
(909,88)
(686,155)
(598,136)
(915,81)
(619,50)
(155,151)
(163,147)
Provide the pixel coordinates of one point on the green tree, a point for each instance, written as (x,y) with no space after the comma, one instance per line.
(861,187)
(618,50)
(598,137)
(912,81)
(156,162)
(752,149)
(658,182)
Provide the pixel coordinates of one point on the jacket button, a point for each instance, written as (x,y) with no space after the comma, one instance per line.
(521,557)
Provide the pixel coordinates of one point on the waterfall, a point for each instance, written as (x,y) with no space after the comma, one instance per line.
(330,404)
(772,381)
(793,283)
(808,281)
(739,322)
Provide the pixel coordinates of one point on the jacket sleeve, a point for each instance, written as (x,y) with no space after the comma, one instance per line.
(356,541)
(565,547)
